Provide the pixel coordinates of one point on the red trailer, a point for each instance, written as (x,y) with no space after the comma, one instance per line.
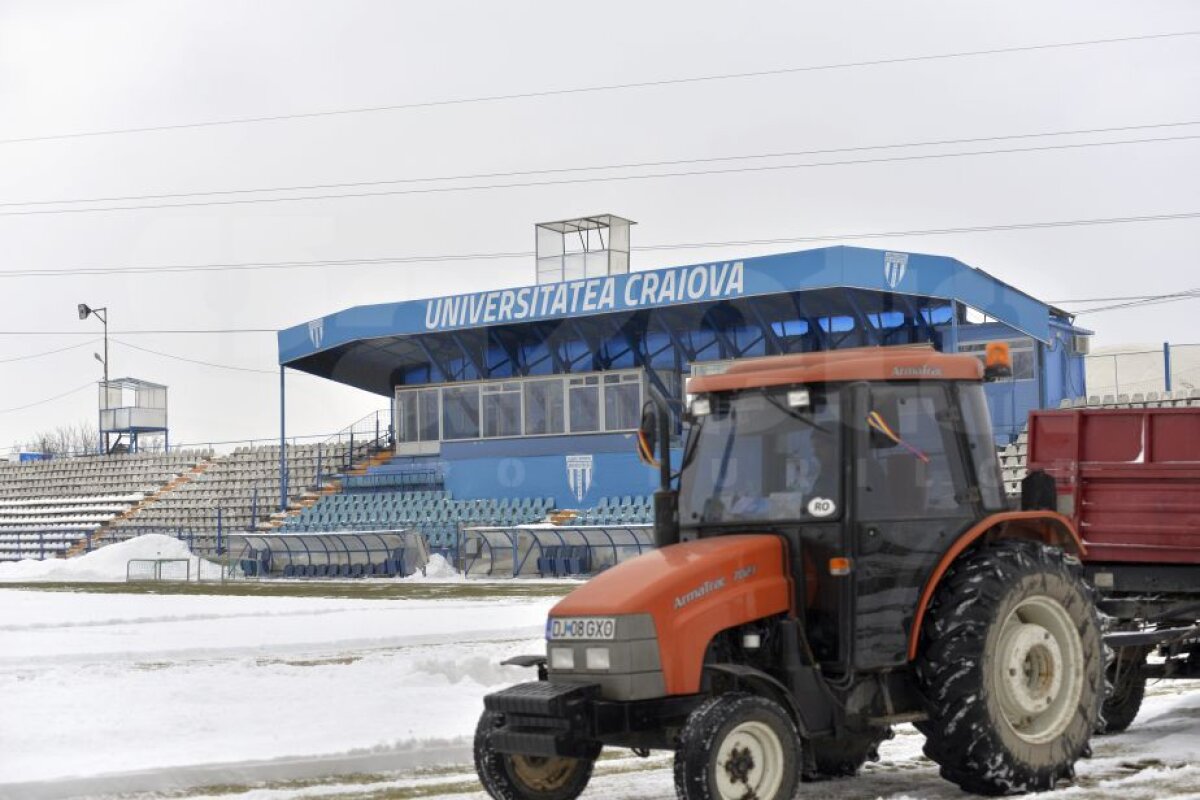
(1129,480)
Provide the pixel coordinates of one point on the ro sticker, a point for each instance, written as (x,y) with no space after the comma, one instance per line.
(821,507)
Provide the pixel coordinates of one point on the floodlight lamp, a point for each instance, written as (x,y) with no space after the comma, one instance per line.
(84,311)
(98,358)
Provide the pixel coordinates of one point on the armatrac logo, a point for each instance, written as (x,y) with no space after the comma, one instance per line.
(706,588)
(923,371)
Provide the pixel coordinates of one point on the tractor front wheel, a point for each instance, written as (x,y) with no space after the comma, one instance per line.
(1013,667)
(508,776)
(737,746)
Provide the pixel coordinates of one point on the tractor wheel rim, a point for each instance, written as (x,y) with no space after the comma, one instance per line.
(1038,669)
(542,774)
(749,763)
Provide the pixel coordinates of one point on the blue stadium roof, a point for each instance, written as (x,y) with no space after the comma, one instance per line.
(775,303)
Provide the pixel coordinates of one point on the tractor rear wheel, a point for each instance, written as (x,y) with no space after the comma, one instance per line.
(737,746)
(842,757)
(1127,687)
(1012,664)
(508,776)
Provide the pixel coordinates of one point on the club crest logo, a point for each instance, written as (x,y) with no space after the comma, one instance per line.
(316,332)
(894,267)
(579,475)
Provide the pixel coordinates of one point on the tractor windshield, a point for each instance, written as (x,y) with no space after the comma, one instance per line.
(755,458)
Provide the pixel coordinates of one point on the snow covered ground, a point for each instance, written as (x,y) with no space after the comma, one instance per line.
(282,698)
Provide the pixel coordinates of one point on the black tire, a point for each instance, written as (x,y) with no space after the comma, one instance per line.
(843,757)
(737,745)
(1126,688)
(1014,697)
(513,777)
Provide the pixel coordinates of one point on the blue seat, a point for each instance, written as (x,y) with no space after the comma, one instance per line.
(547,562)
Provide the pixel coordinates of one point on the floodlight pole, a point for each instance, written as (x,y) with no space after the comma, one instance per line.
(86,311)
(101,314)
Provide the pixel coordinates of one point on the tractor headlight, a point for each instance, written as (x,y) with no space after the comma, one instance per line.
(597,658)
(562,658)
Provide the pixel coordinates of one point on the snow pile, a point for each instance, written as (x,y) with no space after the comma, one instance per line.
(105,565)
(437,570)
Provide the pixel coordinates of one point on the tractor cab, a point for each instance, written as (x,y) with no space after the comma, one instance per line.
(862,460)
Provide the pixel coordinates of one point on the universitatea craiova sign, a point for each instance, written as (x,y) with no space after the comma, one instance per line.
(587,296)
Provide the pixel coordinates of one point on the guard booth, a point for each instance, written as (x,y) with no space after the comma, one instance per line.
(129,410)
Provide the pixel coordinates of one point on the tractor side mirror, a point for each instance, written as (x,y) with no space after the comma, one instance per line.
(647,436)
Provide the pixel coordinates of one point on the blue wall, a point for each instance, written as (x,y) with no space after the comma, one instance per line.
(537,467)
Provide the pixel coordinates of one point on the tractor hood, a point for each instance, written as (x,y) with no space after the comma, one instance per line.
(692,591)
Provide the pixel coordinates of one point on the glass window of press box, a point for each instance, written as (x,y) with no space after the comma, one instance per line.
(543,406)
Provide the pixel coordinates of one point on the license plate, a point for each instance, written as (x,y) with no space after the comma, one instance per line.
(561,629)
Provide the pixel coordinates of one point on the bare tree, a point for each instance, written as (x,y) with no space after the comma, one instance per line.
(82,438)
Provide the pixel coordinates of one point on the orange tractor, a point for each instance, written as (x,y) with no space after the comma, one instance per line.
(838,558)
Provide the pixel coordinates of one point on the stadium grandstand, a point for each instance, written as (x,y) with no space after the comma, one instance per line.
(535,391)
(508,441)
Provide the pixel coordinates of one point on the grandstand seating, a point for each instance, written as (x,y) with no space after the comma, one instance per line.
(627,510)
(48,507)
(434,513)
(438,516)
(243,487)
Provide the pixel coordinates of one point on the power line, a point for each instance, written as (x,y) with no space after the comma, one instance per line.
(1104,299)
(438,258)
(528,95)
(1016,226)
(603,178)
(204,331)
(1173,297)
(176,357)
(594,167)
(195,360)
(76,390)
(49,352)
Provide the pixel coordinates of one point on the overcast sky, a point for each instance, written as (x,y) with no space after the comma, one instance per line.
(69,67)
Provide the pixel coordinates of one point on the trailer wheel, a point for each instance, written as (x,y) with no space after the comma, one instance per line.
(737,746)
(843,756)
(1012,664)
(515,777)
(1127,682)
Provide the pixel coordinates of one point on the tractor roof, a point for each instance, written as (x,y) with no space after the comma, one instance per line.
(856,364)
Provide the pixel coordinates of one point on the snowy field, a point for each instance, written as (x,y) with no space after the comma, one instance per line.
(278,698)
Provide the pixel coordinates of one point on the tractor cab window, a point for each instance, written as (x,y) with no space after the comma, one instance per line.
(978,427)
(755,458)
(908,463)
